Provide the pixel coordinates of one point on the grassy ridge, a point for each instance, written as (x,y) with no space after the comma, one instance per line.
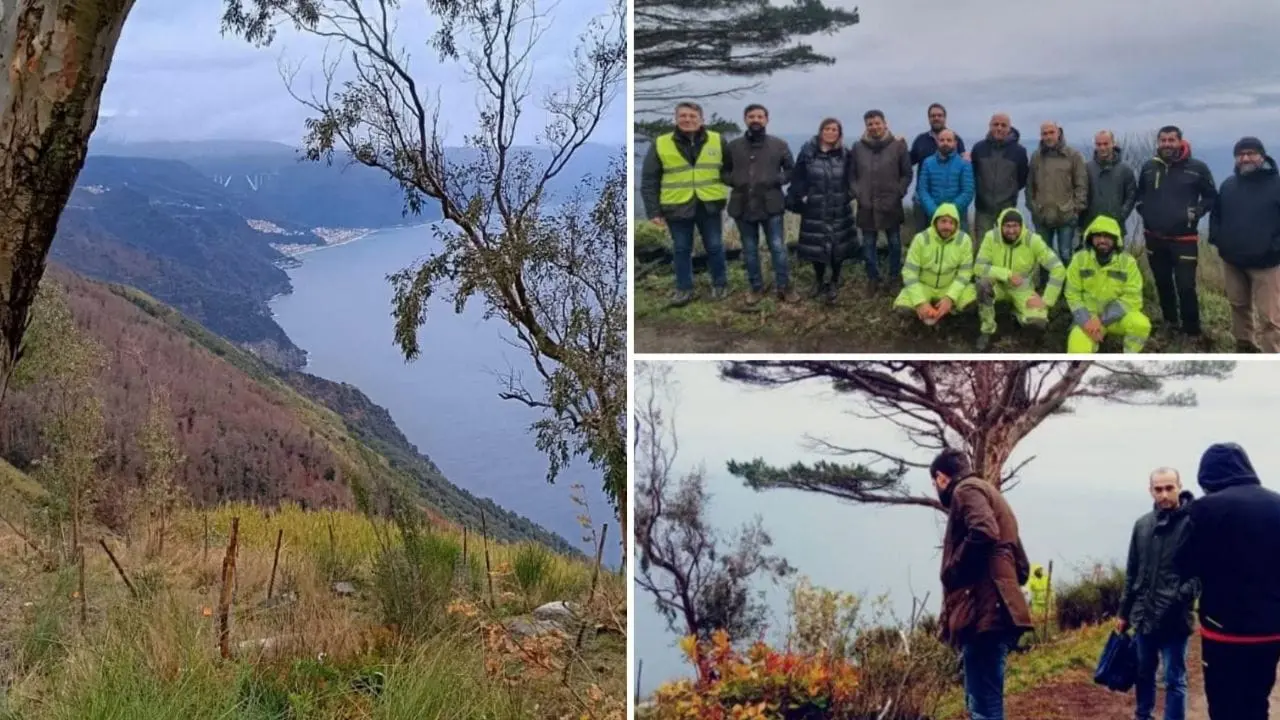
(361,434)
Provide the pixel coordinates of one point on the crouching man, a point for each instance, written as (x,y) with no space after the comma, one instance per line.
(937,277)
(1104,292)
(1009,262)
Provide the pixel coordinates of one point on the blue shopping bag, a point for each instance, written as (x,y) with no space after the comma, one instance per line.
(1118,666)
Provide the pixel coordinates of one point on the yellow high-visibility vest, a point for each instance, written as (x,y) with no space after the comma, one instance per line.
(682,182)
(1039,587)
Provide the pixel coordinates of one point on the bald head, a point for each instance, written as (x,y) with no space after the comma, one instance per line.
(1166,486)
(1000,126)
(1050,133)
(1104,144)
(946,142)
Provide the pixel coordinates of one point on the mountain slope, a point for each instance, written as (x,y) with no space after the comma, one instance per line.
(247,432)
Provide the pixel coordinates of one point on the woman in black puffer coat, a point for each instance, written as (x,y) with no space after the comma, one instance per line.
(821,193)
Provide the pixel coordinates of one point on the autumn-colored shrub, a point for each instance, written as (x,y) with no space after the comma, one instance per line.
(760,683)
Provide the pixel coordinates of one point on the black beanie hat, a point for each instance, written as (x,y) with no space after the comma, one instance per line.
(1013,216)
(1249,143)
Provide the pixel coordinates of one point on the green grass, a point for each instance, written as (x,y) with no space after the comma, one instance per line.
(863,321)
(1069,653)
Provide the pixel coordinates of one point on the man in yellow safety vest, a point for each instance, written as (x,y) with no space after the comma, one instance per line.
(681,189)
(1038,585)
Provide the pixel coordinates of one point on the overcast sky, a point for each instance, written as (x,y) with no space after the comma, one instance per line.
(175,77)
(1130,65)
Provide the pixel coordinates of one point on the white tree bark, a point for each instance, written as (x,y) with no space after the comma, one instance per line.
(54,58)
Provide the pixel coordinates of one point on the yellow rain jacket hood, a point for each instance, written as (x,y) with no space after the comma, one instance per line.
(937,266)
(999,260)
(1108,291)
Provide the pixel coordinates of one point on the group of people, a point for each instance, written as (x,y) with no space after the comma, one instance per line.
(1217,556)
(691,175)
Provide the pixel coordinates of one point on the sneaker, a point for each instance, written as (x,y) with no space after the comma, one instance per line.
(819,291)
(787,295)
(719,293)
(754,297)
(681,298)
(983,344)
(830,297)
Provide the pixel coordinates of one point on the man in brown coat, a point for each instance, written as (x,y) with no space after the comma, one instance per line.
(983,570)
(1057,190)
(881,177)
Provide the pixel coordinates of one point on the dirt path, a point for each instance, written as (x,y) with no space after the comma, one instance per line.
(1075,697)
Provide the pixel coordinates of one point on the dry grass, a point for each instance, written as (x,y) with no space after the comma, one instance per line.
(308,656)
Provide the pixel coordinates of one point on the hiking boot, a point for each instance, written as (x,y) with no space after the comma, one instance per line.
(819,291)
(787,295)
(1247,346)
(719,293)
(754,297)
(874,286)
(983,344)
(829,298)
(680,298)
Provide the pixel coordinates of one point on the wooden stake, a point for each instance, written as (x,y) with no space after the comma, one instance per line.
(123,576)
(84,606)
(639,672)
(224,597)
(591,594)
(1048,599)
(464,546)
(271,586)
(488,568)
(206,539)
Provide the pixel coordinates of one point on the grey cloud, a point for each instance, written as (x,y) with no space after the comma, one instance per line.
(1098,62)
(175,77)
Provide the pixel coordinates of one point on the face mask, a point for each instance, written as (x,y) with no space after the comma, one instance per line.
(756,128)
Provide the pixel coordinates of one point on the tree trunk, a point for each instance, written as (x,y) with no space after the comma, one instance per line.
(55,55)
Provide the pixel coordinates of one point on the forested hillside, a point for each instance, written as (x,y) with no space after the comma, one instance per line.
(245,430)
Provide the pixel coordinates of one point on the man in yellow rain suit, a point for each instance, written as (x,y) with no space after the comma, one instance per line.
(1104,291)
(937,277)
(1038,584)
(1009,262)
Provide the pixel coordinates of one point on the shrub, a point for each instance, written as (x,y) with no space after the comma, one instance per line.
(1089,600)
(761,683)
(532,566)
(650,238)
(413,581)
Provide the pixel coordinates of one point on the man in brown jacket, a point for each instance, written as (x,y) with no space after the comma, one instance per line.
(881,177)
(1057,190)
(983,570)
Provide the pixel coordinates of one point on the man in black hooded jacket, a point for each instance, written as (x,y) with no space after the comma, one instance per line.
(1234,550)
(1157,599)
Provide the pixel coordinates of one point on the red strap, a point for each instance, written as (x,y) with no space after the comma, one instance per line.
(1216,636)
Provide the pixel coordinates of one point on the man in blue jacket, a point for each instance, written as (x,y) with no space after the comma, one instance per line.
(1233,548)
(945,177)
(1245,227)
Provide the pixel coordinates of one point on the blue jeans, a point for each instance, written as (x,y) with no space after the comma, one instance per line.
(1061,239)
(1172,652)
(709,226)
(983,658)
(750,233)
(894,240)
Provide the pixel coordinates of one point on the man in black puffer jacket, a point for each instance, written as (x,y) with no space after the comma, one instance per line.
(1245,227)
(1157,599)
(1234,550)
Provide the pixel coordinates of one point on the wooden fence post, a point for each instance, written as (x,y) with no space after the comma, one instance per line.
(224,597)
(123,576)
(488,568)
(271,586)
(591,594)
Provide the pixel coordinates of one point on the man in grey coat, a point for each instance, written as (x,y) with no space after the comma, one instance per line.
(1157,601)
(755,168)
(1113,188)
